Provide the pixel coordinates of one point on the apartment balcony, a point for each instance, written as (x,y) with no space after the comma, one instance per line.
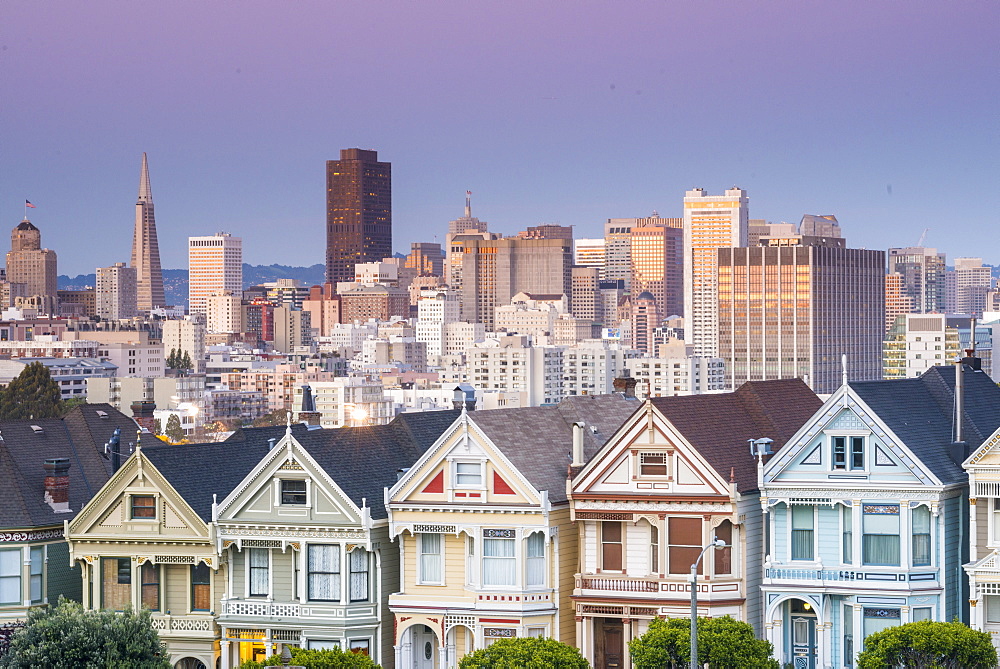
(191,625)
(675,586)
(259,612)
(882,578)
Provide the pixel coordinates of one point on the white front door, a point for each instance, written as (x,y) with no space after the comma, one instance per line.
(425,647)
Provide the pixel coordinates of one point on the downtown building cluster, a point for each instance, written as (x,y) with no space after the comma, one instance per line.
(503,436)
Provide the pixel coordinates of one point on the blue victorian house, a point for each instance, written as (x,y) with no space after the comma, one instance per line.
(866,513)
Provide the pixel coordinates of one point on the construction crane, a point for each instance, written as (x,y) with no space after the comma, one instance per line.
(923,235)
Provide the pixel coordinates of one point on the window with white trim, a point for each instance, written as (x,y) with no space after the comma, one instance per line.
(652,464)
(848,453)
(431,558)
(10,576)
(880,541)
(358,585)
(535,551)
(803,521)
(293,492)
(920,536)
(499,558)
(323,565)
(37,571)
(259,560)
(469,474)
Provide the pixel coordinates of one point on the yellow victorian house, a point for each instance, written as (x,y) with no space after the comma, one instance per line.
(487,547)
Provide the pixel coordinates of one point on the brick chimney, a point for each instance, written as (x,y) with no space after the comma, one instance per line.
(142,413)
(626,386)
(57,484)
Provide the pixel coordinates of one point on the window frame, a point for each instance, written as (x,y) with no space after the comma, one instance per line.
(534,560)
(151,507)
(351,573)
(149,569)
(335,576)
(865,533)
(652,455)
(200,584)
(493,538)
(849,450)
(251,551)
(465,485)
(682,549)
(606,543)
(16,575)
(123,566)
(423,555)
(42,553)
(792,529)
(284,496)
(914,535)
(847,534)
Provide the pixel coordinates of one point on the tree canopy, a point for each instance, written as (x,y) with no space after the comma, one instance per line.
(525,653)
(929,645)
(318,659)
(174,432)
(68,637)
(33,394)
(276,417)
(723,643)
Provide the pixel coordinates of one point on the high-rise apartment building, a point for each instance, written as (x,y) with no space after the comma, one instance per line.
(658,262)
(917,342)
(494,270)
(29,264)
(923,271)
(618,250)
(787,311)
(585,293)
(186,335)
(146,249)
(116,292)
(645,319)
(425,259)
(711,222)
(358,212)
(897,301)
(215,266)
(589,252)
(967,286)
(224,312)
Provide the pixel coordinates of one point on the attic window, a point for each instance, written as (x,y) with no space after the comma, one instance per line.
(652,464)
(143,507)
(36,429)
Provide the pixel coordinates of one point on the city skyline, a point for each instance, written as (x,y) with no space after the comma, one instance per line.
(566,128)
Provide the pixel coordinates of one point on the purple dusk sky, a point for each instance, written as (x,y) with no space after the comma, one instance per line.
(882,113)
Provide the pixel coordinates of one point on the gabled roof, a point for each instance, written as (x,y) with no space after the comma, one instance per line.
(539,440)
(920,412)
(719,426)
(361,460)
(79,436)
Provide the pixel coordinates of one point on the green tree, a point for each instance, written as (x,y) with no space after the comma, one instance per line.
(72,403)
(33,394)
(276,417)
(318,659)
(723,643)
(174,431)
(525,653)
(157,426)
(185,362)
(928,645)
(172,359)
(67,636)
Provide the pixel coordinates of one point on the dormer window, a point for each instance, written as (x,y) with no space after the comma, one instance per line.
(293,492)
(143,507)
(469,474)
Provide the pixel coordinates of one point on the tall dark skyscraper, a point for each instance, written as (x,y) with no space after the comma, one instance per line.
(146,249)
(358,212)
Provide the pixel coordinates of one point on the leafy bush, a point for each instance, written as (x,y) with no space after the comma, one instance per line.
(318,659)
(723,643)
(68,637)
(525,653)
(928,645)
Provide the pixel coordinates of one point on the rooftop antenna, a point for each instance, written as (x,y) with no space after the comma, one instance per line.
(468,204)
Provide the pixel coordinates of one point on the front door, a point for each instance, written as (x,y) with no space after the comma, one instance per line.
(803,642)
(609,639)
(424,647)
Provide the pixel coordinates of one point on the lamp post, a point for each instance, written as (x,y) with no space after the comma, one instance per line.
(715,543)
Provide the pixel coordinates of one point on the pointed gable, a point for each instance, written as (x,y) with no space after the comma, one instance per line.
(719,426)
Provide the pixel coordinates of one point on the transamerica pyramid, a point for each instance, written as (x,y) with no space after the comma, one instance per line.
(145,249)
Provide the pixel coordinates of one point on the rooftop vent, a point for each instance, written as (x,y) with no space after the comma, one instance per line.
(103,414)
(36,429)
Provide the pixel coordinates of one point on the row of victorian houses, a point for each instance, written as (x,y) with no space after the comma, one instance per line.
(418,541)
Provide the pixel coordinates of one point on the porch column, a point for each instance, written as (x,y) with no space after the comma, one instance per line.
(267,644)
(443,655)
(824,634)
(772,631)
(973,554)
(224,644)
(581,640)
(858,634)
(85,575)
(627,636)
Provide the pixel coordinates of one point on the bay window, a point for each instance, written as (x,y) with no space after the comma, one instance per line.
(880,541)
(323,572)
(430,570)
(803,522)
(536,559)
(920,530)
(359,575)
(499,558)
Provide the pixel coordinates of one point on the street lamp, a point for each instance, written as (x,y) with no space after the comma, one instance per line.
(715,543)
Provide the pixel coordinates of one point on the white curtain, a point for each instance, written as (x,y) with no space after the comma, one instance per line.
(324,572)
(536,559)
(359,575)
(880,543)
(430,558)
(499,563)
(802,532)
(10,576)
(259,571)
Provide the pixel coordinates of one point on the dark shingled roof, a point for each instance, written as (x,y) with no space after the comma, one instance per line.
(79,436)
(539,440)
(361,460)
(720,425)
(920,412)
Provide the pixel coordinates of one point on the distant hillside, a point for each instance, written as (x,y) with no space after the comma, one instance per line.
(175,281)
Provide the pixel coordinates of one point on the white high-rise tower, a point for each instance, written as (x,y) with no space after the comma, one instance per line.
(215,265)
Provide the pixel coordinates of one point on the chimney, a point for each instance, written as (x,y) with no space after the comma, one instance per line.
(465,396)
(142,413)
(626,386)
(308,413)
(57,484)
(578,428)
(959,448)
